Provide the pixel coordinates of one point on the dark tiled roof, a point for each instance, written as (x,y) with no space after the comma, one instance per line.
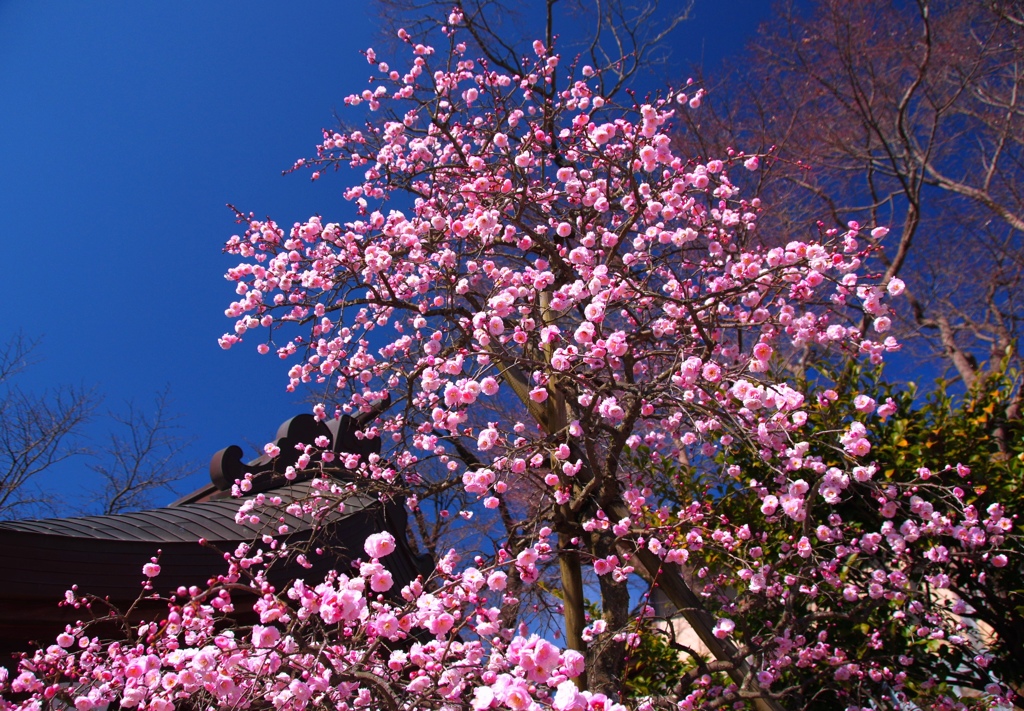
(186,523)
(104,555)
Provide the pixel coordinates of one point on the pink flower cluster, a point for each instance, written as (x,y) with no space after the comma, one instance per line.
(559,254)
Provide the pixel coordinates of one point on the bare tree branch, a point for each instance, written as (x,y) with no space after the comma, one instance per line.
(36,431)
(143,456)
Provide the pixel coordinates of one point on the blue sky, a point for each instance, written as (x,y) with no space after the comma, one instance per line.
(125,128)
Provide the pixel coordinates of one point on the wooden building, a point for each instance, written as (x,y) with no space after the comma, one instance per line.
(104,555)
